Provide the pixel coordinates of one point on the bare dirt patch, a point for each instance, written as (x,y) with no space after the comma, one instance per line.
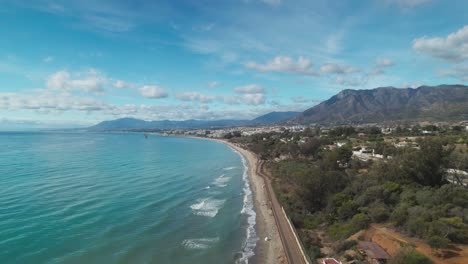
(392,241)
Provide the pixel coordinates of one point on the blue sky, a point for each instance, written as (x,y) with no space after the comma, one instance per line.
(78,62)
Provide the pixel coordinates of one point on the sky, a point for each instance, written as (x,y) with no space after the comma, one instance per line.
(78,62)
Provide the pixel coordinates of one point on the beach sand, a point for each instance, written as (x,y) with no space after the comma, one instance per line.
(270,251)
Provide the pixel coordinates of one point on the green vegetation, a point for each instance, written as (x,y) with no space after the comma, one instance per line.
(324,187)
(409,256)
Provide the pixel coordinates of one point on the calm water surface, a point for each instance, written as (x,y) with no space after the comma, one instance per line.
(121,198)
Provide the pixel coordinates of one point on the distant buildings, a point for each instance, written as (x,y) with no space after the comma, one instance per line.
(244,131)
(364,153)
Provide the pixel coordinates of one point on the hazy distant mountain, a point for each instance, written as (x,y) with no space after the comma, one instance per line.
(431,103)
(133,123)
(274,117)
(128,123)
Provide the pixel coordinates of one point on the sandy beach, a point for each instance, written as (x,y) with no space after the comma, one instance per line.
(270,251)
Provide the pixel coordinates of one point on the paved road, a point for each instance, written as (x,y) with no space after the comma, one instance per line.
(291,247)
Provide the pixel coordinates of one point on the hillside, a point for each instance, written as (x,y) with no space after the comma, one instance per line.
(274,117)
(133,123)
(386,104)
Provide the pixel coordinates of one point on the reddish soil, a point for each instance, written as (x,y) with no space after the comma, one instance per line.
(391,241)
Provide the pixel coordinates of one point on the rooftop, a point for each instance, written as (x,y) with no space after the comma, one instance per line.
(330,261)
(373,250)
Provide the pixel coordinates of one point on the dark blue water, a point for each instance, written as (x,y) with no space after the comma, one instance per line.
(122,198)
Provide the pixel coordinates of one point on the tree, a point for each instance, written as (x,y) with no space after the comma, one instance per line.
(458,162)
(409,256)
(424,166)
(437,242)
(378,212)
(360,221)
(310,147)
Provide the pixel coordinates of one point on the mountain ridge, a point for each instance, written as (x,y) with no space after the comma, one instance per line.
(390,104)
(129,123)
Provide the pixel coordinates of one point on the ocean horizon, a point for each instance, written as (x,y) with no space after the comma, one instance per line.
(123,197)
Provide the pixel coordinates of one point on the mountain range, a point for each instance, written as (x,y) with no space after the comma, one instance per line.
(390,104)
(379,105)
(133,123)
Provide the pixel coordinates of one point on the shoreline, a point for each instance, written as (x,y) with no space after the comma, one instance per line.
(270,251)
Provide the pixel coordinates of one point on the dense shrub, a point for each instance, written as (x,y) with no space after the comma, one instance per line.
(409,256)
(321,186)
(345,245)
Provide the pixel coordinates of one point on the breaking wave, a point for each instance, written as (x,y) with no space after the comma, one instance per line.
(251,238)
(207,207)
(200,243)
(222,181)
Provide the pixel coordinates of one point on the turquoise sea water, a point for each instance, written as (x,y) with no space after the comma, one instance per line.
(122,198)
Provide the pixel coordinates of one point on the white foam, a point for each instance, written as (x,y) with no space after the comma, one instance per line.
(229,168)
(200,243)
(251,238)
(222,181)
(207,207)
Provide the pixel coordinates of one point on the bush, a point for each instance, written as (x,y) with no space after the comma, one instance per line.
(314,252)
(347,210)
(400,214)
(345,245)
(360,221)
(340,231)
(378,212)
(409,256)
(311,221)
(437,242)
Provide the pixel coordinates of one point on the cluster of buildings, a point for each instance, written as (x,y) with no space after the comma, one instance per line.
(244,131)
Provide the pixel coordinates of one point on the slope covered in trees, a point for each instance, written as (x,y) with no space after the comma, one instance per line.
(325,188)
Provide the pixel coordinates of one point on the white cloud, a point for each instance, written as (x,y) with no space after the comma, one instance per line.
(195,97)
(284,64)
(253,99)
(89,81)
(380,65)
(48,102)
(248,99)
(334,68)
(249,89)
(458,72)
(411,85)
(153,91)
(122,84)
(384,62)
(213,84)
(453,48)
(247,95)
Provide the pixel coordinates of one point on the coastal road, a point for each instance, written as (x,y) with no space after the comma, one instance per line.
(291,246)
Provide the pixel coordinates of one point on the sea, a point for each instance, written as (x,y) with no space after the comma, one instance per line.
(74,197)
